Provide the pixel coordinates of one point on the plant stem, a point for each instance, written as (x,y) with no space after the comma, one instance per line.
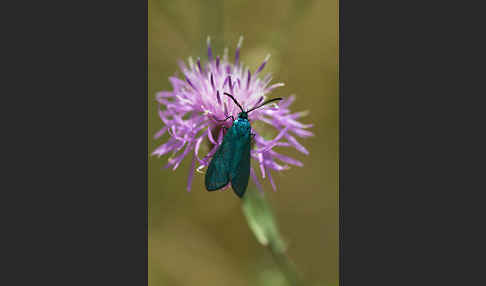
(287,267)
(261,221)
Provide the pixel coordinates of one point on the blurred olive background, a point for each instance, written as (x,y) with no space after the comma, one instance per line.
(201,238)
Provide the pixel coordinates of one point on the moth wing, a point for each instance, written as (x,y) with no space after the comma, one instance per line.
(241,171)
(218,173)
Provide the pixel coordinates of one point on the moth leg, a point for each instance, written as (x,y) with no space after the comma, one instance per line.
(231,116)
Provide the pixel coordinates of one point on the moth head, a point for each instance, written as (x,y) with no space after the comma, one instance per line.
(243,115)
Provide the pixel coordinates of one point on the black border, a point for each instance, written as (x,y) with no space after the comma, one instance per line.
(83,149)
(402,112)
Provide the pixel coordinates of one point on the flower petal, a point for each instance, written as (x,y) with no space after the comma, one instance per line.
(271,181)
(160,133)
(296,144)
(285,159)
(191,173)
(255,179)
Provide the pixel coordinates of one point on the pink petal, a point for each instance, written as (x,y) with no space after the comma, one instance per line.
(164,148)
(210,136)
(191,173)
(176,83)
(296,144)
(164,94)
(255,179)
(271,181)
(270,144)
(298,124)
(287,102)
(262,167)
(302,133)
(198,144)
(273,86)
(179,159)
(160,133)
(285,159)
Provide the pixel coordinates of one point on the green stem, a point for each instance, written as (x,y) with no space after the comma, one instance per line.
(287,267)
(263,224)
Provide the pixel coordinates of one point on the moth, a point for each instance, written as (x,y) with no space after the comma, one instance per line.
(231,162)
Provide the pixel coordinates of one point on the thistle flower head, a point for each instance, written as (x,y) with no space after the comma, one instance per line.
(193,110)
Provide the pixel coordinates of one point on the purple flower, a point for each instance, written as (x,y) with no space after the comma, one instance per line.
(197,102)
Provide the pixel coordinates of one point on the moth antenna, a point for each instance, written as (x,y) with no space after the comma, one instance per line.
(266,102)
(235,101)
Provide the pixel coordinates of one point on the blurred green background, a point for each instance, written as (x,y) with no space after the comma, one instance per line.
(201,238)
